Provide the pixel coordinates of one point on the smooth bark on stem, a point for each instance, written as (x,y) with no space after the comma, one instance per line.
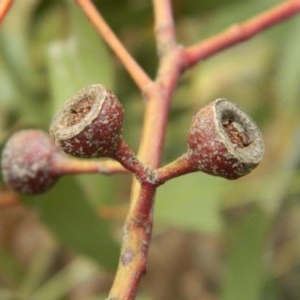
(176,168)
(66,165)
(135,246)
(138,224)
(164,26)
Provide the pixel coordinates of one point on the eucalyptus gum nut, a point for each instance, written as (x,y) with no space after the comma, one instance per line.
(224,141)
(89,124)
(26,162)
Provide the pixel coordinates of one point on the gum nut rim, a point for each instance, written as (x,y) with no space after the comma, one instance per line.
(253,150)
(61,129)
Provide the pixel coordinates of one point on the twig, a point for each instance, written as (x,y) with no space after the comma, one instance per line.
(63,165)
(4,7)
(138,225)
(141,79)
(135,246)
(164,26)
(240,32)
(176,168)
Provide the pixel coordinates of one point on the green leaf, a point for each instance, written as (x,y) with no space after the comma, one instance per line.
(14,44)
(190,202)
(78,61)
(95,63)
(74,222)
(288,90)
(37,270)
(11,270)
(63,282)
(19,83)
(245,275)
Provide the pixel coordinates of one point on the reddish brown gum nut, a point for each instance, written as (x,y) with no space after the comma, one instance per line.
(89,124)
(26,162)
(224,141)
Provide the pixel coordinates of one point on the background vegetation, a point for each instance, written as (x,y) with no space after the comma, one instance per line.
(213,239)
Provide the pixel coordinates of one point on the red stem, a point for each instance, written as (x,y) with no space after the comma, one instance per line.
(240,32)
(164,25)
(138,225)
(63,165)
(182,165)
(127,158)
(4,7)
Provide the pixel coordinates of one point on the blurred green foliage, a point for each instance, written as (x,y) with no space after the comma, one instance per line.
(48,50)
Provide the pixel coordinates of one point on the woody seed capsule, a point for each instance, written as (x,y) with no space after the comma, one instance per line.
(89,124)
(224,141)
(27,162)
